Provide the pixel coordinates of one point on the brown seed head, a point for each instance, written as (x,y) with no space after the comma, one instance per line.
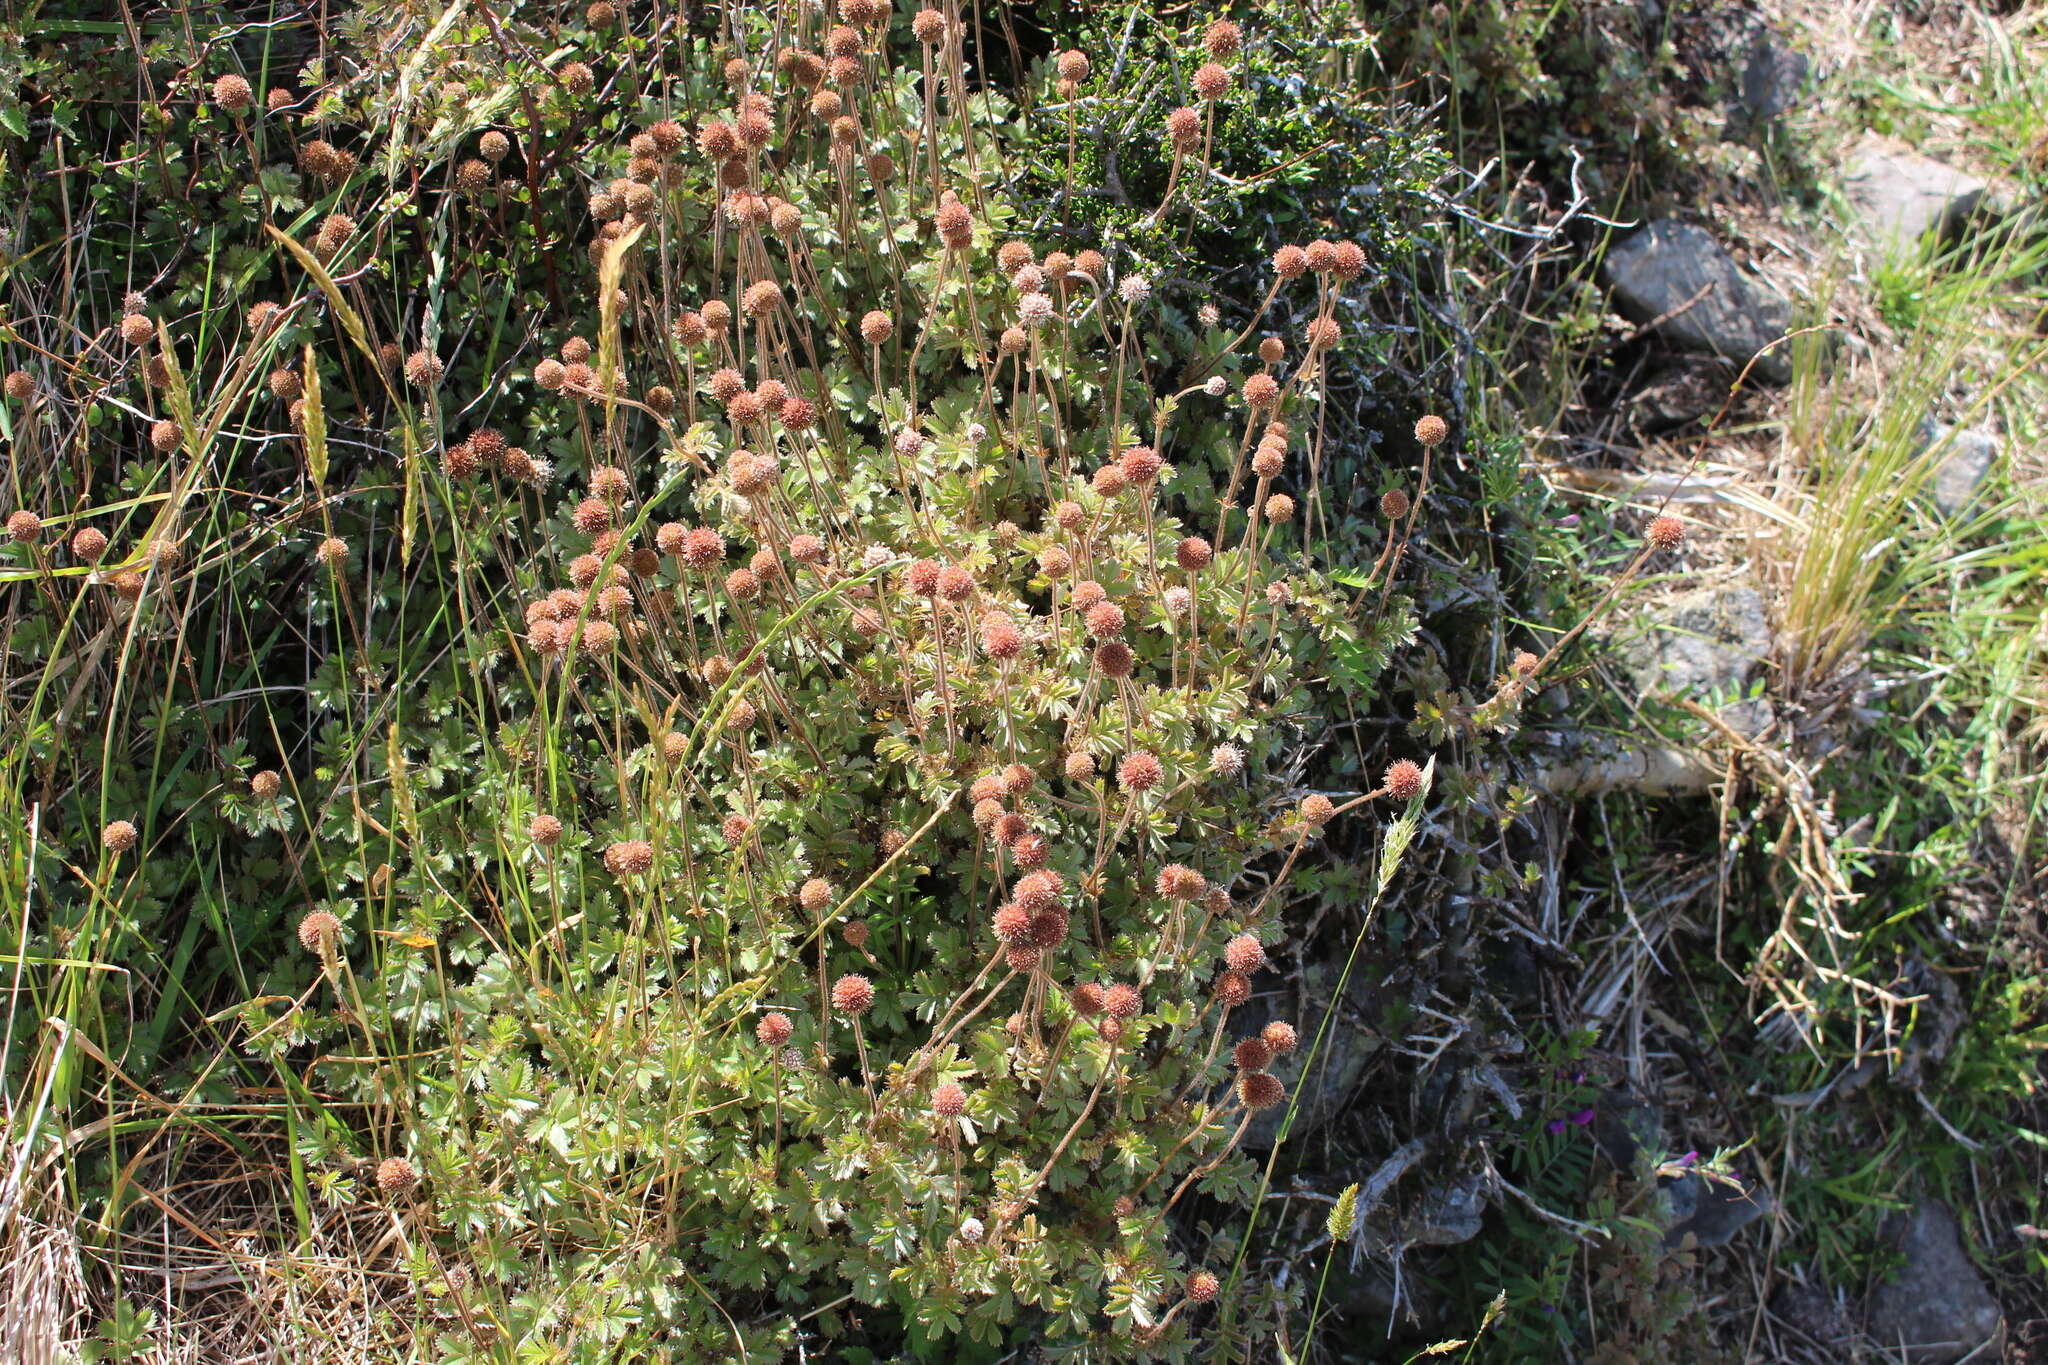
(1403,780)
(1394,504)
(1139,772)
(118,837)
(1179,882)
(853,994)
(545,830)
(1665,532)
(1251,1054)
(423,369)
(629,857)
(319,931)
(1430,430)
(774,1029)
(232,93)
(1244,953)
(1105,620)
(395,1175)
(1260,1090)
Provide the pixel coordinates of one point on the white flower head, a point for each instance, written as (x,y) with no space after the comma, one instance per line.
(1134,289)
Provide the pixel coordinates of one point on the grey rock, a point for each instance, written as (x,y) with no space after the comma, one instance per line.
(1964,465)
(1772,79)
(1667,265)
(1325,1085)
(1449,1214)
(1936,1309)
(1900,196)
(1709,1213)
(1706,645)
(1703,644)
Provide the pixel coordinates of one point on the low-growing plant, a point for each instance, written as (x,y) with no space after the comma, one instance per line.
(792,757)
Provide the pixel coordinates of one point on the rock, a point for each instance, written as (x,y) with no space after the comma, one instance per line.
(1684,391)
(1772,79)
(1701,645)
(1964,465)
(1709,1212)
(1936,1309)
(1899,196)
(1706,646)
(1667,265)
(1449,1214)
(1333,1078)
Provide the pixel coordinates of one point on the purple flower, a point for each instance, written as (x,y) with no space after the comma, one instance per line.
(1583,1117)
(1554,1127)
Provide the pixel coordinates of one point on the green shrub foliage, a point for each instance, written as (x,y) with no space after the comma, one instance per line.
(769,666)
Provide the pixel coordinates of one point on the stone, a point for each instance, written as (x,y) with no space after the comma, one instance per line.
(1772,79)
(1964,465)
(1448,1214)
(1690,388)
(1936,1309)
(1703,645)
(1709,1212)
(1899,196)
(1675,271)
(1325,1086)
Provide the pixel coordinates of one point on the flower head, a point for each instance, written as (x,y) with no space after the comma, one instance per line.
(853,994)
